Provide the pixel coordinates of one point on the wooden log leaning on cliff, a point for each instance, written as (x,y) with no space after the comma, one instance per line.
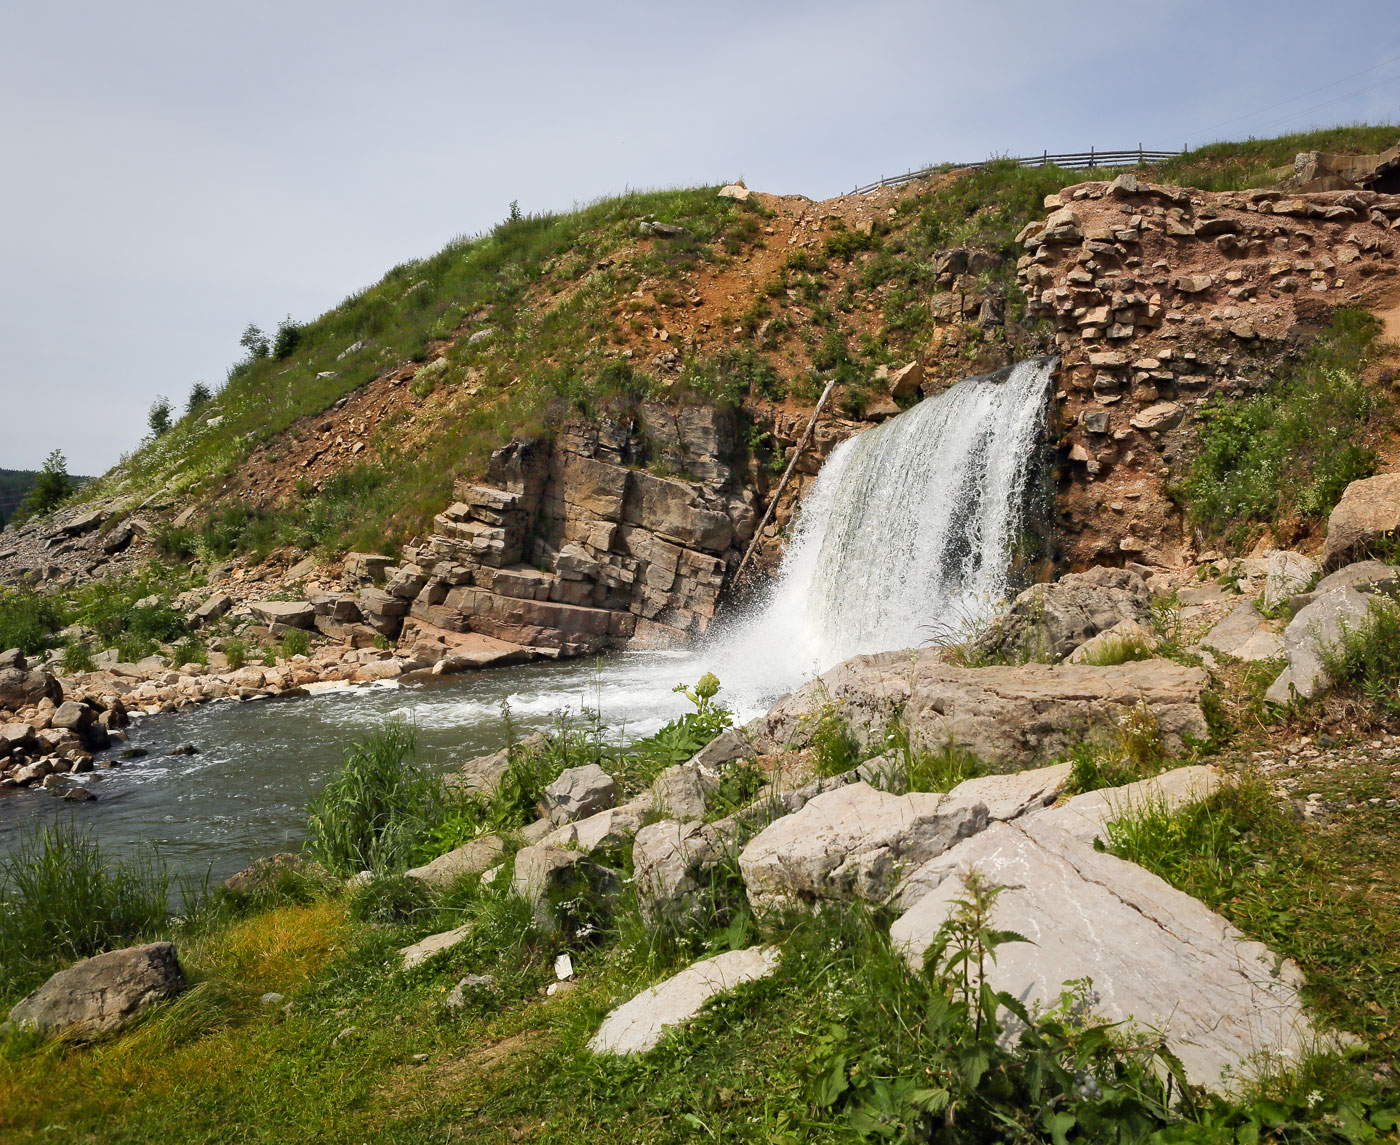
(782,484)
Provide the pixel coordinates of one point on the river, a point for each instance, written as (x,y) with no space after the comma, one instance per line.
(245,793)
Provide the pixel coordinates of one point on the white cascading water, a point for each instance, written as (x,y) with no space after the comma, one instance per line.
(904,537)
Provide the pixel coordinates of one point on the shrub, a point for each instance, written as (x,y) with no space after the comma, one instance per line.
(61,899)
(287,338)
(680,739)
(374,813)
(51,488)
(77,657)
(200,397)
(236,652)
(837,750)
(297,642)
(28,620)
(158,418)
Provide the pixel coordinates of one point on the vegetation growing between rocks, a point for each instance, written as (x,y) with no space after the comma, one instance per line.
(1317,896)
(1282,458)
(1368,656)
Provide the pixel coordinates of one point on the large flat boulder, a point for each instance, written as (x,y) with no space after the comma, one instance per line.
(1013,794)
(853,842)
(1154,956)
(470,859)
(103,994)
(1368,512)
(637,1026)
(1030,713)
(292,613)
(1048,621)
(1245,635)
(1087,816)
(1310,635)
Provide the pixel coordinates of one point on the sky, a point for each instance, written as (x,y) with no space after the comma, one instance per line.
(170,172)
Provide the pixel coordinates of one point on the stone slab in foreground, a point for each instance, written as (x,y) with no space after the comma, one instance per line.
(853,842)
(636,1026)
(100,995)
(1156,957)
(1026,713)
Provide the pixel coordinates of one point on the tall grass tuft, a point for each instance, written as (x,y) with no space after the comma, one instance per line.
(377,811)
(61,900)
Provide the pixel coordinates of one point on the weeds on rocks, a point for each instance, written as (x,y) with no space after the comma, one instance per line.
(1309,893)
(1368,656)
(1288,454)
(1131,751)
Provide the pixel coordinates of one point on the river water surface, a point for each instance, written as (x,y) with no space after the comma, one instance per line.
(244,795)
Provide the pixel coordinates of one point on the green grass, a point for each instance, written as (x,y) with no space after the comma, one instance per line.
(376,813)
(28,620)
(1324,896)
(843,1043)
(1232,166)
(1283,458)
(61,900)
(31,620)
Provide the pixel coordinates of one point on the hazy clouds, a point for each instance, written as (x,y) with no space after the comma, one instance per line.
(174,171)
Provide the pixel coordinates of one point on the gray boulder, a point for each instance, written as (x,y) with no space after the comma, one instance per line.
(540,869)
(1287,574)
(1310,635)
(680,792)
(1024,714)
(854,842)
(471,859)
(666,859)
(1245,635)
(23,689)
(419,952)
(1048,621)
(1364,576)
(101,995)
(580,792)
(638,1025)
(1368,512)
(214,607)
(1154,957)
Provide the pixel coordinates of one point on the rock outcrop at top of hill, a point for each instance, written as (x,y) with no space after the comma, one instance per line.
(1164,298)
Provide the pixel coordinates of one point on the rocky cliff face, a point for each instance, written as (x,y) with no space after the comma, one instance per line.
(570,546)
(1164,298)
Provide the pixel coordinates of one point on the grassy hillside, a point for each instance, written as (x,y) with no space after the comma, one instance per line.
(510,332)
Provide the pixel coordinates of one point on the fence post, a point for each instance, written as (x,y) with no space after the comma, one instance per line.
(1091,156)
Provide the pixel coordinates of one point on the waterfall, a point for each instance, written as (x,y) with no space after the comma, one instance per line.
(906,535)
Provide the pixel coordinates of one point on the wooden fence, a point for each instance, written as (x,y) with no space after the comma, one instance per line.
(1077,161)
